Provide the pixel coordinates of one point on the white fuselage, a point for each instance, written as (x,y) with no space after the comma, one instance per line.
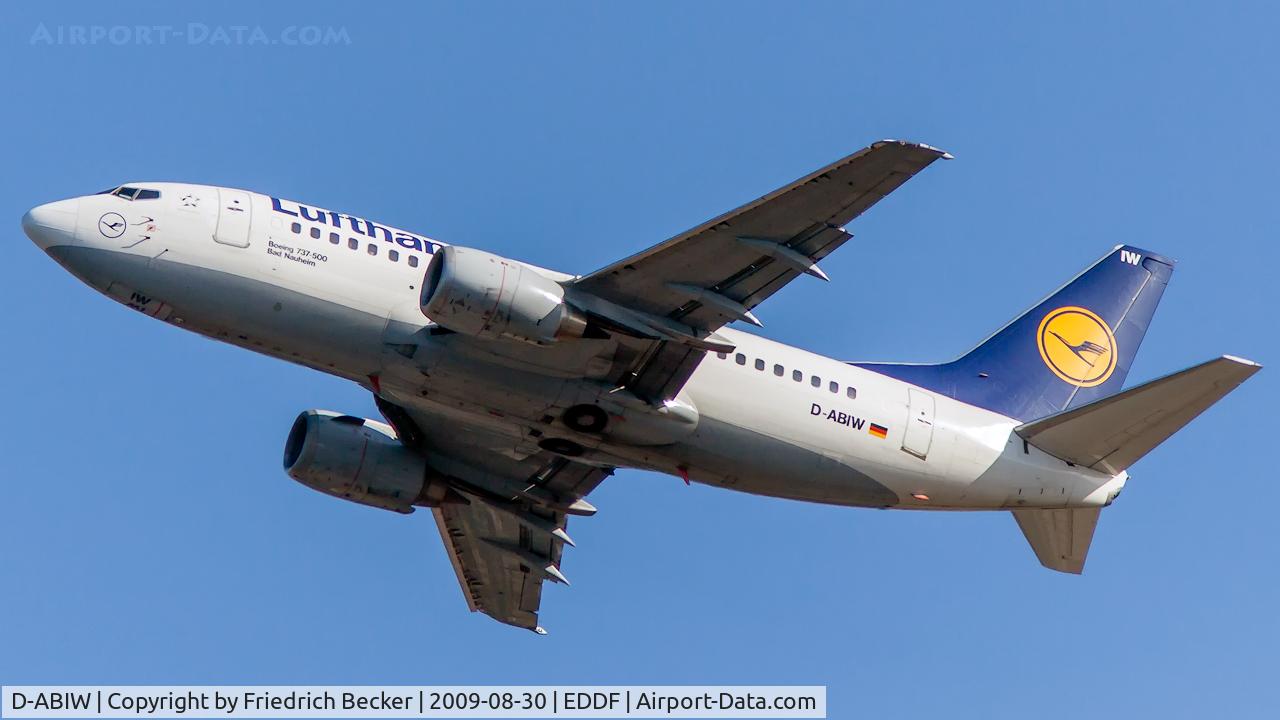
(340,294)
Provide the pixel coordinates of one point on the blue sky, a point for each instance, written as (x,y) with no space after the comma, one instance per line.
(148,535)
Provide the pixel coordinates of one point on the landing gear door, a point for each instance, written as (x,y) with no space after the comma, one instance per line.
(235,213)
(919,434)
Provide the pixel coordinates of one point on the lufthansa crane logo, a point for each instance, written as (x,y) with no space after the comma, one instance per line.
(112,225)
(1077,345)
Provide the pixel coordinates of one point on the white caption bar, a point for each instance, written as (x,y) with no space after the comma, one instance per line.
(488,701)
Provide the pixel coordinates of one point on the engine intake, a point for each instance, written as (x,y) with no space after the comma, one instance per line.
(479,294)
(361,460)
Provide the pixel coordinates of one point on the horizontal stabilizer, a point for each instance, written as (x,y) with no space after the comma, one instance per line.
(1113,433)
(1059,537)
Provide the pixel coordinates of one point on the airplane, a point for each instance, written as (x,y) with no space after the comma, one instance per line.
(509,391)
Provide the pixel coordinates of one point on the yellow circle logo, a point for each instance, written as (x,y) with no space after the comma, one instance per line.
(1077,345)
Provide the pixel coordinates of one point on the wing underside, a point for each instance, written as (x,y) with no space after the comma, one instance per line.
(504,548)
(493,578)
(505,534)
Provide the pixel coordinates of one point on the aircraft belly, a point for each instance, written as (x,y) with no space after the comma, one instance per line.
(741,459)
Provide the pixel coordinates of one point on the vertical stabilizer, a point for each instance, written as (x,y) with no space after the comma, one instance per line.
(1074,347)
(1060,537)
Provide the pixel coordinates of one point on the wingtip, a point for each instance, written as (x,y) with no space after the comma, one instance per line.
(1242,361)
(942,154)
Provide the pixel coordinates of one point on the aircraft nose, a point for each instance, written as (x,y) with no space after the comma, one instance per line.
(52,223)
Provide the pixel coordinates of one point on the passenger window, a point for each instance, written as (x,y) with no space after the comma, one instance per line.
(413,261)
(315,233)
(373,249)
(778,370)
(759,364)
(851,392)
(296,228)
(393,256)
(722,355)
(797,375)
(834,386)
(815,381)
(333,238)
(353,243)
(740,359)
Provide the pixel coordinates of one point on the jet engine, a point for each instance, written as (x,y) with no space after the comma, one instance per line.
(362,461)
(479,294)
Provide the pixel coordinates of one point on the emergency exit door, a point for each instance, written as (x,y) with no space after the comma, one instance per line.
(919,434)
(235,214)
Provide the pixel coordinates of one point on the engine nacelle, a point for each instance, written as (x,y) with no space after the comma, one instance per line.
(362,461)
(479,294)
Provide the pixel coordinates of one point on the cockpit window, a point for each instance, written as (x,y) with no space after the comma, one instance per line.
(132,193)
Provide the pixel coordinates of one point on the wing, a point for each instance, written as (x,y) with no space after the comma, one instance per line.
(502,561)
(717,272)
(507,537)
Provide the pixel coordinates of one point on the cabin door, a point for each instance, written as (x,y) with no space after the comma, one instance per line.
(919,434)
(235,213)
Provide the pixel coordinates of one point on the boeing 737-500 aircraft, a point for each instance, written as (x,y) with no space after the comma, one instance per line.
(511,391)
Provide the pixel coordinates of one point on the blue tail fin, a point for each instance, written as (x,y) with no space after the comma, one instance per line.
(1074,347)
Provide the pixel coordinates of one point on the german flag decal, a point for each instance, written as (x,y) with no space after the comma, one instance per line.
(879,431)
